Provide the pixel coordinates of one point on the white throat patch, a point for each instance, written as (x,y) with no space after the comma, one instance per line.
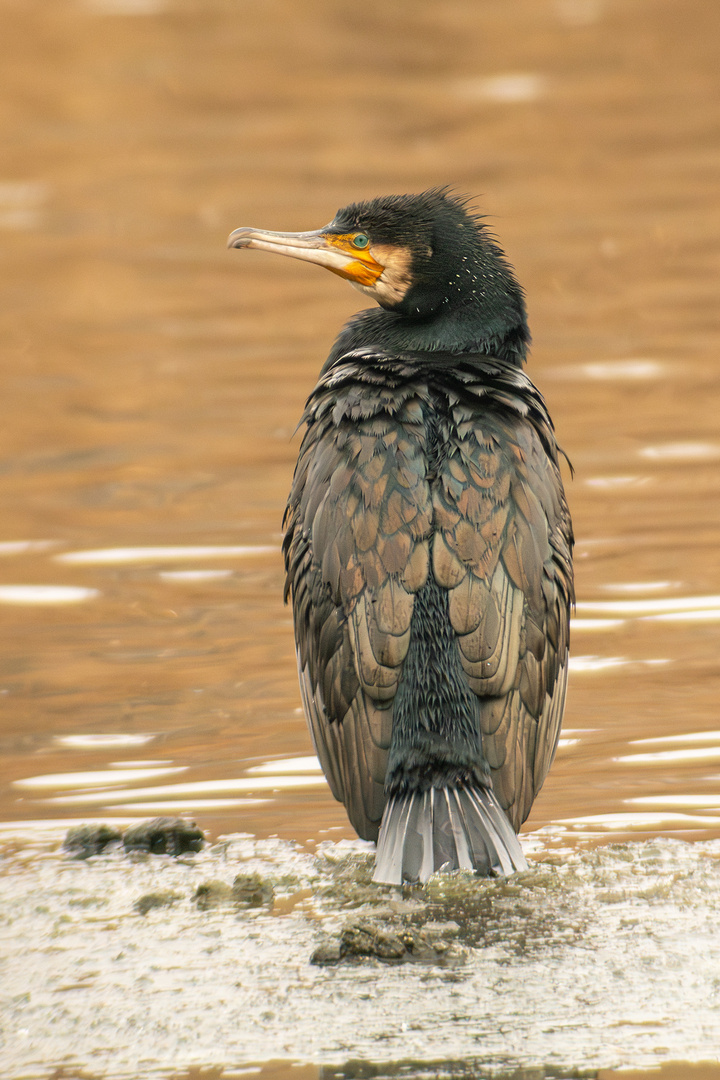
(395,280)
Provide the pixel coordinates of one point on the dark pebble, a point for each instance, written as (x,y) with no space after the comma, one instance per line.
(327,953)
(251,890)
(211,894)
(85,840)
(164,836)
(156,900)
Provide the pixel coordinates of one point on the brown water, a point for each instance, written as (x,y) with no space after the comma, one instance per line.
(152,381)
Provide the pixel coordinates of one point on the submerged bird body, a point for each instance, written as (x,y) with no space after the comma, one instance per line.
(428,544)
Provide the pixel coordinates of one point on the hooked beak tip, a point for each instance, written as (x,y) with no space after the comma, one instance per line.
(239,238)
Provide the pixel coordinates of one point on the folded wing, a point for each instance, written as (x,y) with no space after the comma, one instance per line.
(380,498)
(502,548)
(358,526)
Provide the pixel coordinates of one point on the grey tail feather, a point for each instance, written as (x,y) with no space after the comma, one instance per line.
(423,832)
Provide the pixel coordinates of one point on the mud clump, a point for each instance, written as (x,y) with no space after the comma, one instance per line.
(150,901)
(212,894)
(84,841)
(392,944)
(246,891)
(251,890)
(164,836)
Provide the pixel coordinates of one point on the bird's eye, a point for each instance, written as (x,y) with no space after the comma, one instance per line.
(361,240)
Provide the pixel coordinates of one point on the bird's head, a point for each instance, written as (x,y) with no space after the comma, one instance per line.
(413,254)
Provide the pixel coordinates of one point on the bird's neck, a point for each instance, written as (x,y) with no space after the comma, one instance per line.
(454,329)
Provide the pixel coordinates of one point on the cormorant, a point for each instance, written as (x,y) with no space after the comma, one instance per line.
(428,542)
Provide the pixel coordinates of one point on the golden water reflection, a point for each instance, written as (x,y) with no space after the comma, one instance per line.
(152,382)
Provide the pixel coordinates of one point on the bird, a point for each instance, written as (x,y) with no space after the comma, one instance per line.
(428,542)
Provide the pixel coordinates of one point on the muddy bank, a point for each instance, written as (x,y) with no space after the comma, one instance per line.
(135,965)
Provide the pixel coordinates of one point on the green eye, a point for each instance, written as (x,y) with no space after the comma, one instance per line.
(361,241)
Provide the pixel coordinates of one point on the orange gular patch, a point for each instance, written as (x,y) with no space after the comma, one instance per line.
(364,270)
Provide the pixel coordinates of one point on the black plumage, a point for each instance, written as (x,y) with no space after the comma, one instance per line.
(428,542)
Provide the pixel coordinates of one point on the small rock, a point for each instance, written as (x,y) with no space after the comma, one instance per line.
(164,836)
(370,940)
(86,840)
(211,894)
(156,900)
(329,952)
(251,890)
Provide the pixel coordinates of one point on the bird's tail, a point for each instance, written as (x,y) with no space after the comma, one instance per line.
(423,832)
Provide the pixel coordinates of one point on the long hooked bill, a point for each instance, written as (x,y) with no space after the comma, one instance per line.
(334,252)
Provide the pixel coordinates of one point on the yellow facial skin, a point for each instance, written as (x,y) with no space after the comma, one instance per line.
(364,268)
